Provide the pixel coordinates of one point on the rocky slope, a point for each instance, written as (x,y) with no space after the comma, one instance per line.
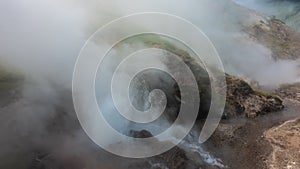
(285,141)
(241,98)
(283,41)
(290,91)
(285,10)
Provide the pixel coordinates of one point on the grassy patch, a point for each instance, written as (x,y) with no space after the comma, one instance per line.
(156,41)
(266,94)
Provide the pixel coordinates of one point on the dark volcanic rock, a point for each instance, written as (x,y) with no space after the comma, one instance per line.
(140,134)
(175,158)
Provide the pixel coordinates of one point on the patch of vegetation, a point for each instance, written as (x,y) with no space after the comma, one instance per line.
(266,94)
(157,41)
(8,80)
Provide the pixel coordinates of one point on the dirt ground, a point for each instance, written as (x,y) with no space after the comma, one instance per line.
(285,141)
(243,143)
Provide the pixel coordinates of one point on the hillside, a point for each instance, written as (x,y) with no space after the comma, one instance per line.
(283,41)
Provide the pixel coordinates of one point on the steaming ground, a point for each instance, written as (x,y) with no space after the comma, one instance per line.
(41,40)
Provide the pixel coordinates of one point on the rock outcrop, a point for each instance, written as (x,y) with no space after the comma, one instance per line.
(176,158)
(242,99)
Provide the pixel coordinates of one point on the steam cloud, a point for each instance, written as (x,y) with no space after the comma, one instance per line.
(41,39)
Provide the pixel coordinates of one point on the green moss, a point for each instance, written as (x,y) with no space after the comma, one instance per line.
(157,41)
(266,94)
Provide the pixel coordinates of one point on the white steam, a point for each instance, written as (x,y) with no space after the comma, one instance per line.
(42,39)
